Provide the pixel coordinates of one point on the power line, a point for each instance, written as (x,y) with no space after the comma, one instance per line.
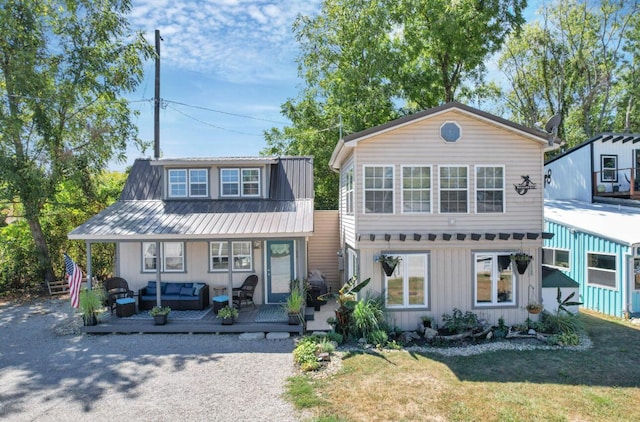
(212,125)
(226,112)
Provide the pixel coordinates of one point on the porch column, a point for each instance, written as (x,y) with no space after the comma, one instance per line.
(89,277)
(229,274)
(158,281)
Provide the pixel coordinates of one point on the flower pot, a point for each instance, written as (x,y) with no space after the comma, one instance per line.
(227,321)
(388,268)
(159,319)
(522,266)
(294,319)
(89,320)
(534,310)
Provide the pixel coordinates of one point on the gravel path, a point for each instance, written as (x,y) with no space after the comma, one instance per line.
(50,373)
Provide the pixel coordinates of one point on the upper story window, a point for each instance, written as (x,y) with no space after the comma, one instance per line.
(489,189)
(450,132)
(240,182)
(378,189)
(601,270)
(494,282)
(454,189)
(609,167)
(348,190)
(558,258)
(416,189)
(192,183)
(171,256)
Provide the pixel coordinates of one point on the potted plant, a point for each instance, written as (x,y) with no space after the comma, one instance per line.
(294,305)
(159,314)
(389,263)
(346,299)
(534,308)
(227,315)
(90,305)
(426,321)
(522,261)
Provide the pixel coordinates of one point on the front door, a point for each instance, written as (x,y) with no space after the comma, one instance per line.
(635,287)
(280,269)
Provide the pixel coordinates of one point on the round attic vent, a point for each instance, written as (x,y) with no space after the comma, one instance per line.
(450,132)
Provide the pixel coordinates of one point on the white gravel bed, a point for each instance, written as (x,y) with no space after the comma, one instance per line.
(50,373)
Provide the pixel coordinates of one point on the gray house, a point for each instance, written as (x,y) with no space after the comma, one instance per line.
(211,220)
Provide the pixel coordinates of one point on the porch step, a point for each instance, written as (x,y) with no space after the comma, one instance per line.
(58,287)
(309,313)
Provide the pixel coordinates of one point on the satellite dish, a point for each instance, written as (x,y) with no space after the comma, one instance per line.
(553,123)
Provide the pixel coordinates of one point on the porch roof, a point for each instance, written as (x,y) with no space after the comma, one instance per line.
(617,223)
(205,219)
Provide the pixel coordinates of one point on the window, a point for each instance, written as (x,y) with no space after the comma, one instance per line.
(240,182)
(601,270)
(494,282)
(195,179)
(558,258)
(489,189)
(241,256)
(450,132)
(172,256)
(453,189)
(609,167)
(407,286)
(416,189)
(348,191)
(378,189)
(636,273)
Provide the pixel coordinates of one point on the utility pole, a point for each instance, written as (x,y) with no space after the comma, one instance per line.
(156,100)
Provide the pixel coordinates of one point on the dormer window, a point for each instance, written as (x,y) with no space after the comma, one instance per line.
(188,183)
(240,182)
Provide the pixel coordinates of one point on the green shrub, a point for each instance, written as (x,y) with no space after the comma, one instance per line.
(305,354)
(560,323)
(333,336)
(459,322)
(378,338)
(367,317)
(325,346)
(564,339)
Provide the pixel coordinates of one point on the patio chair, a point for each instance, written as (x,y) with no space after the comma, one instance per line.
(244,293)
(116,288)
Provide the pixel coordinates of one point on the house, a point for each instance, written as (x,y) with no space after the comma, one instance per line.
(452,192)
(211,220)
(591,199)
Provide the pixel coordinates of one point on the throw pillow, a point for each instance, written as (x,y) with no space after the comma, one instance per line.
(173,289)
(196,288)
(151,290)
(186,291)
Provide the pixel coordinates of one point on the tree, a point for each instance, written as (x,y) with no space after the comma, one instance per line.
(366,62)
(63,67)
(580,62)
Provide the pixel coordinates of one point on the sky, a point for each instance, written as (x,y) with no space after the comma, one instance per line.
(226,67)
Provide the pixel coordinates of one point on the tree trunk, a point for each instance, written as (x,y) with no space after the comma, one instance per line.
(42,249)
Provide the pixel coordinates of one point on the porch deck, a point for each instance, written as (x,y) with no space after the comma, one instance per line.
(244,323)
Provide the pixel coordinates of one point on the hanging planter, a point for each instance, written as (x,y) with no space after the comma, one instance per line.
(534,308)
(522,261)
(389,263)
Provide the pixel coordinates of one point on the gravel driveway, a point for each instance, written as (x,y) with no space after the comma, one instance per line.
(48,372)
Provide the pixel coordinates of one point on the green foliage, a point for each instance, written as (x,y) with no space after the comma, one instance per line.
(459,322)
(66,66)
(160,310)
(91,301)
(564,339)
(560,323)
(294,302)
(563,303)
(333,336)
(326,346)
(379,338)
(347,300)
(227,312)
(18,261)
(367,318)
(305,355)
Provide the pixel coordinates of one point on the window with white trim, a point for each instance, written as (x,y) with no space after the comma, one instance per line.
(558,258)
(454,189)
(495,284)
(609,167)
(348,190)
(239,182)
(192,183)
(408,285)
(172,256)
(241,256)
(378,189)
(601,270)
(489,189)
(416,189)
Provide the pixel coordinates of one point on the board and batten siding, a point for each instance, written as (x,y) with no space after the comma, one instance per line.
(623,152)
(347,227)
(480,144)
(452,279)
(609,301)
(324,245)
(197,268)
(570,176)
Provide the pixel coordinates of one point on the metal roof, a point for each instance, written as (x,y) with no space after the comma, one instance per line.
(206,219)
(612,137)
(617,223)
(552,277)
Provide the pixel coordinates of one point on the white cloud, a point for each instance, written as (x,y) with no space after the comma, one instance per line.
(235,40)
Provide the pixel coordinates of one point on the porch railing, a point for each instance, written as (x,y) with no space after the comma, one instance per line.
(625,184)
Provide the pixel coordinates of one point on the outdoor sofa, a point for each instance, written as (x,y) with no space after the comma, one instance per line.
(177,296)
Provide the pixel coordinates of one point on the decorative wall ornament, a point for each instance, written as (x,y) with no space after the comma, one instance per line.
(547,178)
(525,186)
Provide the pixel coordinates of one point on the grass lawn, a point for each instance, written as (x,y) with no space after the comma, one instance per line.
(599,384)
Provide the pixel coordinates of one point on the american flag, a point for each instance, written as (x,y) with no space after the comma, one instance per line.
(75,279)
